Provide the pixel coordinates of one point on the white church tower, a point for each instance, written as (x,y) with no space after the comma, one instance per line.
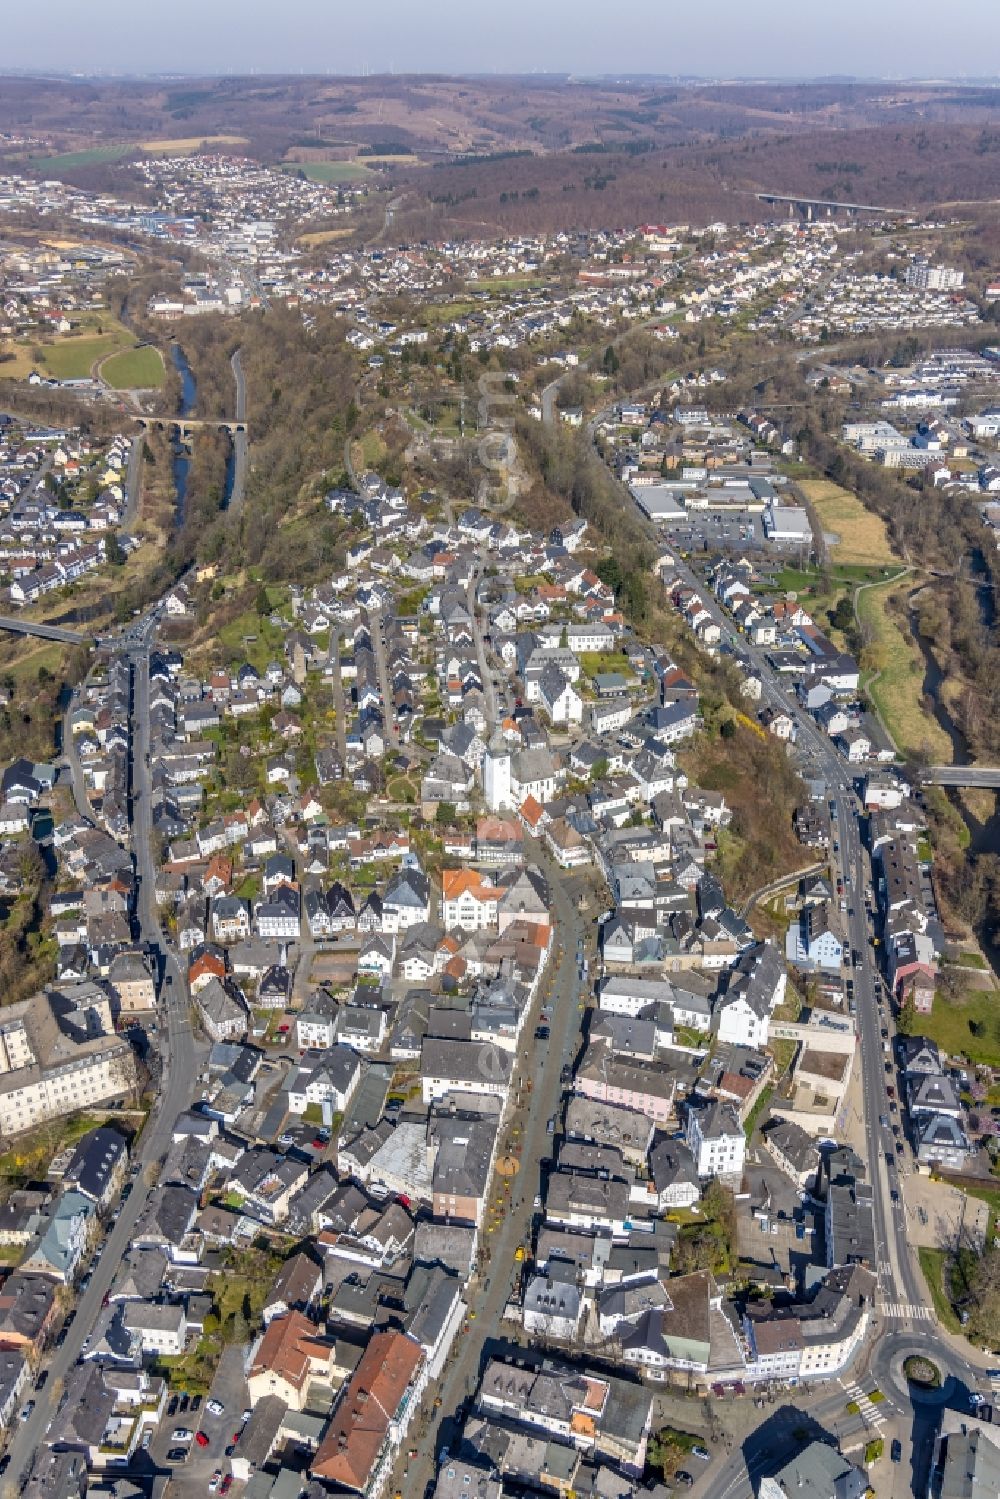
(496,775)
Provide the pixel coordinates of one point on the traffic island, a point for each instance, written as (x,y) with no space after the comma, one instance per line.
(922,1372)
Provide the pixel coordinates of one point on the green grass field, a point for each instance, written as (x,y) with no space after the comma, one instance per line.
(134,369)
(934,1262)
(329,171)
(951,1021)
(73,358)
(53,165)
(897,687)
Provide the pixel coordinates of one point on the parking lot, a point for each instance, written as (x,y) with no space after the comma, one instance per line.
(193,1474)
(730,530)
(937,1213)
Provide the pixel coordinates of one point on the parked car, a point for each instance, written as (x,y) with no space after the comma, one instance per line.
(26,1411)
(181,1434)
(201,1439)
(701,1452)
(177,1454)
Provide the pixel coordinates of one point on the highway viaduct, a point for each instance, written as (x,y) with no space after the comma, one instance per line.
(808,207)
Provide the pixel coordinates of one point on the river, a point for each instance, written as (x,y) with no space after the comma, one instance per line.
(182,452)
(984,834)
(185,407)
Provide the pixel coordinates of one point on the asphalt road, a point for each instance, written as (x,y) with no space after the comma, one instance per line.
(45,632)
(489,692)
(507,1221)
(179,1070)
(384,685)
(987,776)
(80,797)
(901,1285)
(899,1281)
(133,480)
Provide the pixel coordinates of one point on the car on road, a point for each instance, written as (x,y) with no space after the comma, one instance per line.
(215,1407)
(201,1439)
(4,1462)
(214,1481)
(684,1478)
(896,1450)
(26,1411)
(701,1452)
(541,1033)
(883,1120)
(226,1484)
(40,1381)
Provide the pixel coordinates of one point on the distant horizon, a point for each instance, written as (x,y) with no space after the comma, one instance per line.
(617,75)
(878,40)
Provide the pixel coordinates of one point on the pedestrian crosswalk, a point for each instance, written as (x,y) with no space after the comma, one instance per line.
(870,1414)
(906,1311)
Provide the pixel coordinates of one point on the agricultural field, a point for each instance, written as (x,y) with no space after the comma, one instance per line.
(189,144)
(329,171)
(861,535)
(895,676)
(18,360)
(323,237)
(91,156)
(134,369)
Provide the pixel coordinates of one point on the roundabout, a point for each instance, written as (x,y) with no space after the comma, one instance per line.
(913,1369)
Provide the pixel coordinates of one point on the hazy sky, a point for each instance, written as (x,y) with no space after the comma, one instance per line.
(709,37)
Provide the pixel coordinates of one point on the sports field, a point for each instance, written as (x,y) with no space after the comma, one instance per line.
(134,369)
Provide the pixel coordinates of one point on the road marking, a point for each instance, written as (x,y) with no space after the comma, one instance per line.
(906,1309)
(871,1414)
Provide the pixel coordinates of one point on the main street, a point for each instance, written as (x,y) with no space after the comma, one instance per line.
(179,1069)
(537,1088)
(903,1306)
